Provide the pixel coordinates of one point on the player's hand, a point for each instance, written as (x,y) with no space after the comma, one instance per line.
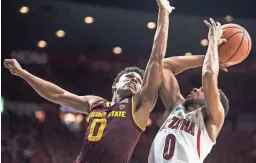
(165,5)
(215,31)
(223,68)
(13,66)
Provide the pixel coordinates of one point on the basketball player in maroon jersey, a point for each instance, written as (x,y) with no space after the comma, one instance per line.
(114,127)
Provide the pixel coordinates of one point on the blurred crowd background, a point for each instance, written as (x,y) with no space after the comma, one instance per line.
(81,45)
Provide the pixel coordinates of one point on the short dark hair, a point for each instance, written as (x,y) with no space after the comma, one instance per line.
(127,70)
(224,101)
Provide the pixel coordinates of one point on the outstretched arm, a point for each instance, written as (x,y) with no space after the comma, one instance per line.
(50,91)
(215,110)
(169,91)
(153,74)
(178,64)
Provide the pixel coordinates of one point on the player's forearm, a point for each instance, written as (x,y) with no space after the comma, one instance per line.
(161,36)
(215,111)
(44,88)
(153,73)
(211,61)
(179,64)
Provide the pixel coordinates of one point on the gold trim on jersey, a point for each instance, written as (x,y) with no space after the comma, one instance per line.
(133,117)
(108,104)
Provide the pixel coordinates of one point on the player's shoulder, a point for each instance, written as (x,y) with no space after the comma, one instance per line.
(181,111)
(91,98)
(178,108)
(177,111)
(94,100)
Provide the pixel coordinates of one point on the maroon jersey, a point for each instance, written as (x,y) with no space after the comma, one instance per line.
(112,133)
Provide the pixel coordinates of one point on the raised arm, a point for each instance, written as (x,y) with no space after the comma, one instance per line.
(178,64)
(169,90)
(50,91)
(153,74)
(214,108)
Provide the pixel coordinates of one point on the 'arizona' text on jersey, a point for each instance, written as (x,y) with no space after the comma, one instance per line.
(182,138)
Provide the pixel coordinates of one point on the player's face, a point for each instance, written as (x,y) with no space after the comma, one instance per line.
(195,97)
(129,84)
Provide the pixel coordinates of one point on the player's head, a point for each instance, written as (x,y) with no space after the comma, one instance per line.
(196,98)
(128,82)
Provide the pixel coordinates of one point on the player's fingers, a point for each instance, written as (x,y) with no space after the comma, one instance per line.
(219,25)
(222,41)
(207,24)
(223,68)
(167,2)
(213,23)
(9,66)
(6,62)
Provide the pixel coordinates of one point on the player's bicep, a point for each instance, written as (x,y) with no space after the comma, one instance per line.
(170,91)
(77,103)
(215,122)
(72,101)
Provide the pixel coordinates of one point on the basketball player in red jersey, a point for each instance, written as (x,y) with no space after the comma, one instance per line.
(114,127)
(191,125)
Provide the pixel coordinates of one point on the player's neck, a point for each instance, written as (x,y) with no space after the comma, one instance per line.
(116,98)
(193,107)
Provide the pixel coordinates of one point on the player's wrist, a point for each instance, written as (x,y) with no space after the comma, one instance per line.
(163,11)
(23,73)
(213,40)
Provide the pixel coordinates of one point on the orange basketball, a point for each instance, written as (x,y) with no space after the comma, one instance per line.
(237,47)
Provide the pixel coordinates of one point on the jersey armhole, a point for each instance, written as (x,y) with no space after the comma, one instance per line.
(133,116)
(204,130)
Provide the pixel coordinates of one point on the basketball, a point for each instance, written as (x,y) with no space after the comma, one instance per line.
(237,47)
